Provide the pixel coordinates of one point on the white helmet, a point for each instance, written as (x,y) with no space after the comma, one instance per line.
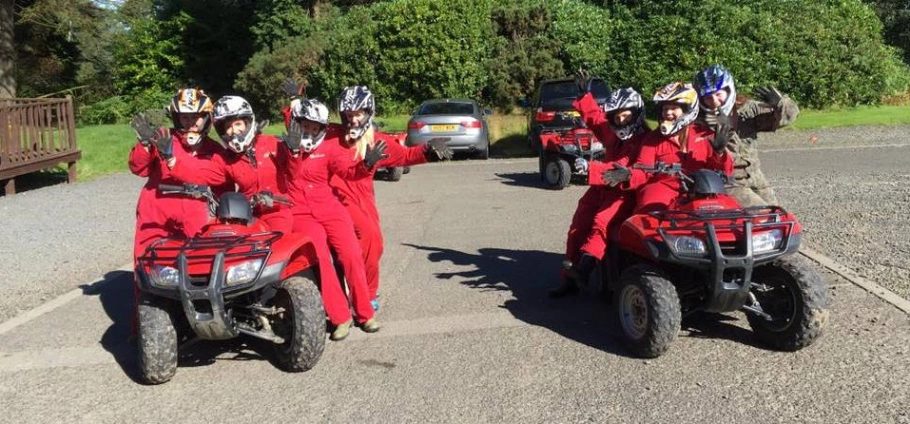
(233,107)
(354,98)
(314,111)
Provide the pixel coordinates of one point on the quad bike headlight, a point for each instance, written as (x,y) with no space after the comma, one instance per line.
(686,245)
(164,277)
(243,272)
(767,241)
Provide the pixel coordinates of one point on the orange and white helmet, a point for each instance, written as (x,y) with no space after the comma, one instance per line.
(191,101)
(683,95)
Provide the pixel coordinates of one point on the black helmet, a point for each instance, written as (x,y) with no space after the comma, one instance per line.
(353,98)
(234,206)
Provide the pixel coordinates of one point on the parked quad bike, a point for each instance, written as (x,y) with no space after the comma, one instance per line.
(707,253)
(236,277)
(558,150)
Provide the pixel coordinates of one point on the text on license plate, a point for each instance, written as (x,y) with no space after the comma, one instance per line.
(439,128)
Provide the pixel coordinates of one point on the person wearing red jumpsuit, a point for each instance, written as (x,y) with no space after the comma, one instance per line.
(680,141)
(356,105)
(619,125)
(316,157)
(255,162)
(165,215)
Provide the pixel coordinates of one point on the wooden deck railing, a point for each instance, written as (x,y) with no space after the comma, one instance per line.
(36,134)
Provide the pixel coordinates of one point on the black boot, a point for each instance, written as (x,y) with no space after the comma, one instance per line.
(581,272)
(566,285)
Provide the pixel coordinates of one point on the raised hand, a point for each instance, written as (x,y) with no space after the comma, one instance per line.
(769,95)
(722,135)
(375,154)
(293,137)
(291,88)
(437,149)
(582,80)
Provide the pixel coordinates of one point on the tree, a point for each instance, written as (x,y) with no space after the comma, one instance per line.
(7,50)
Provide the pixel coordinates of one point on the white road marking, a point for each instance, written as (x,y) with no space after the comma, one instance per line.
(851,276)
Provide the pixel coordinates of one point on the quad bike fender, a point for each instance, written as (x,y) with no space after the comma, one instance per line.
(297,254)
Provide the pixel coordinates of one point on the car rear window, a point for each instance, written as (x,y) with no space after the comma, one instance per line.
(560,95)
(446,109)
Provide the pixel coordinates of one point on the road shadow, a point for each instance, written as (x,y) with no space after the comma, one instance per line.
(529,275)
(521,179)
(587,319)
(512,146)
(116,293)
(36,180)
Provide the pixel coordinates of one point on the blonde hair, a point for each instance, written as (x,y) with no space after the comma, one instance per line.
(360,146)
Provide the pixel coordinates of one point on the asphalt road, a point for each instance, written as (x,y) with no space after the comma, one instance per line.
(469,335)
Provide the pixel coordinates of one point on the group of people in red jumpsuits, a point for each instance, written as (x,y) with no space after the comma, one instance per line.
(325,169)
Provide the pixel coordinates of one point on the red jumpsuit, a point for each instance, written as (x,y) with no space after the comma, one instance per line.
(165,215)
(657,191)
(236,168)
(600,204)
(359,198)
(318,213)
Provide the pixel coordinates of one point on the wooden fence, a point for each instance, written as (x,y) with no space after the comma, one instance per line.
(36,134)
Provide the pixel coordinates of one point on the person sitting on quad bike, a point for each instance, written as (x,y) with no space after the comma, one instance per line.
(620,127)
(163,215)
(255,162)
(677,140)
(720,104)
(316,156)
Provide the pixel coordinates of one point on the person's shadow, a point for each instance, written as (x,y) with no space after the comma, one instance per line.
(116,292)
(529,275)
(586,318)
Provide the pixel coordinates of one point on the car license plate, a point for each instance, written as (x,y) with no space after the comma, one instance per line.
(441,128)
(574,113)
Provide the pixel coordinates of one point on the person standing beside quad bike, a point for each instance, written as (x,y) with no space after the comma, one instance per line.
(316,156)
(357,106)
(721,105)
(619,126)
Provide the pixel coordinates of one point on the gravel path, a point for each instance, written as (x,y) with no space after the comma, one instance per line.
(53,239)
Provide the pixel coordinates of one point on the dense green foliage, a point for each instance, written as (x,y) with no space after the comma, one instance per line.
(133,54)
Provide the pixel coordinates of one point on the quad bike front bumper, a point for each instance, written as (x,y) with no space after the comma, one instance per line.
(727,267)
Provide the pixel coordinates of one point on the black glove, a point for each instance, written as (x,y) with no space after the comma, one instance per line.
(769,95)
(374,154)
(260,126)
(722,135)
(583,81)
(715,120)
(293,138)
(290,87)
(616,176)
(264,199)
(144,131)
(164,143)
(436,149)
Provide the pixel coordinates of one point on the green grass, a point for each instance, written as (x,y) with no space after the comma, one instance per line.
(105,148)
(847,117)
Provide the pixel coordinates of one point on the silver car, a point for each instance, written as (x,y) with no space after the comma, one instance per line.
(462,121)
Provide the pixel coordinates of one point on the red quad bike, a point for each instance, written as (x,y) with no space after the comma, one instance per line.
(236,277)
(707,253)
(560,147)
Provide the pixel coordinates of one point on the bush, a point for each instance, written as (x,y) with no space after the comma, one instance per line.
(821,53)
(431,49)
(113,110)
